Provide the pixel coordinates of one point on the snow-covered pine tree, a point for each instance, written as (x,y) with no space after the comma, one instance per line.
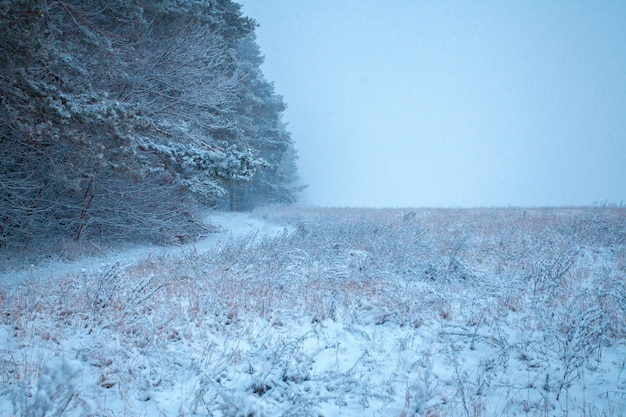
(259,118)
(118,116)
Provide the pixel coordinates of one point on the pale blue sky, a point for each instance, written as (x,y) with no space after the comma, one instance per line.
(451,103)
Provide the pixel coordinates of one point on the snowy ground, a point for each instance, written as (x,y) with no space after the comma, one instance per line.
(227,226)
(334,312)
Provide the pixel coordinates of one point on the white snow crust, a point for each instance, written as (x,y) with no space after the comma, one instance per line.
(331,312)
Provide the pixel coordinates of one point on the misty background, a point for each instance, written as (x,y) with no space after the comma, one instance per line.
(414,103)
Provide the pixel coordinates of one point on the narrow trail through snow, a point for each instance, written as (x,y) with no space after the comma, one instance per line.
(230,225)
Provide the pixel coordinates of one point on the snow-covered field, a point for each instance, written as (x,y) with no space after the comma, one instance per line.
(331,312)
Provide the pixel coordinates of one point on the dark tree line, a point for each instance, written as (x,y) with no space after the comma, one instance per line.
(119,117)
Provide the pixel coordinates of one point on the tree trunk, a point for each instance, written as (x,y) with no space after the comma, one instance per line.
(87,200)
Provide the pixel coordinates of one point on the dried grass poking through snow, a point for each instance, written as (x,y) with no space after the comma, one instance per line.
(356,312)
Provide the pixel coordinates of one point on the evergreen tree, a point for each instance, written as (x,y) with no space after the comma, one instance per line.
(118,116)
(259,118)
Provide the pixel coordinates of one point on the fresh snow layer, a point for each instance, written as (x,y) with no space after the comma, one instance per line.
(332,313)
(228,225)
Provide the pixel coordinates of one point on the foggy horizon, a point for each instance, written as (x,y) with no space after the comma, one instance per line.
(417,104)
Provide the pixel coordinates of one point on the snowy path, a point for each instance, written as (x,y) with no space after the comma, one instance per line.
(231,225)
